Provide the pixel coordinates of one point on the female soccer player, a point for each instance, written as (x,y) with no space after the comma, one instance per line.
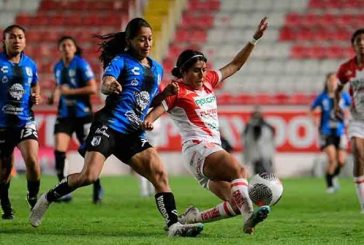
(131,81)
(19,91)
(194,110)
(352,72)
(75,83)
(332,129)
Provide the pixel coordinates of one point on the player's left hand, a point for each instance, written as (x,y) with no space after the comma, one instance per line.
(65,90)
(263,25)
(36,98)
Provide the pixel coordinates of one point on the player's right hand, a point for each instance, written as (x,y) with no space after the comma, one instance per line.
(147,125)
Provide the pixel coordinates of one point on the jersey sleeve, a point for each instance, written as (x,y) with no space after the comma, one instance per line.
(347,99)
(213,77)
(169,102)
(115,67)
(86,71)
(35,75)
(343,79)
(316,102)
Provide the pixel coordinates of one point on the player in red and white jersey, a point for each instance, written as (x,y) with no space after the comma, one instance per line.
(352,73)
(194,110)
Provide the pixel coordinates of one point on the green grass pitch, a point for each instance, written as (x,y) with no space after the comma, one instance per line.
(304,215)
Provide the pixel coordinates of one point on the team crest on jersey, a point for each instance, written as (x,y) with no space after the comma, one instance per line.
(96,140)
(28,71)
(16,91)
(142,99)
(4,69)
(5,79)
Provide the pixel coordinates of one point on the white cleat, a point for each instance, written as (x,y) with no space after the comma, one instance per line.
(330,190)
(185,230)
(190,216)
(38,211)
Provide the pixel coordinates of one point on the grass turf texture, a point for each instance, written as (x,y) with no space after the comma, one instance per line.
(305,215)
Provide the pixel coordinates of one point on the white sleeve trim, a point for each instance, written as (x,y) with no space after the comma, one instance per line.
(219,74)
(165,106)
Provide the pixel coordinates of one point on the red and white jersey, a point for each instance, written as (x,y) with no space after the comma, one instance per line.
(195,111)
(350,72)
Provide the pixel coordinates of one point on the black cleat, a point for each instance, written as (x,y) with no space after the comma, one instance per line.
(8,213)
(98,194)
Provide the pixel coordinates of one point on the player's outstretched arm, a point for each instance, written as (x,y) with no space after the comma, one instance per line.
(171,89)
(243,55)
(110,86)
(153,115)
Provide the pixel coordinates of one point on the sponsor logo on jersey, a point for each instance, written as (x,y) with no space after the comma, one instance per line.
(4,69)
(13,110)
(207,100)
(136,71)
(135,121)
(16,91)
(142,99)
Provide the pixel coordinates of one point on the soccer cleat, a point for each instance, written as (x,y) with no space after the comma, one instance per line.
(66,198)
(8,213)
(336,183)
(190,216)
(38,211)
(185,230)
(31,201)
(258,216)
(98,194)
(330,190)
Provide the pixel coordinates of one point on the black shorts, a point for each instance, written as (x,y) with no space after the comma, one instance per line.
(11,137)
(340,142)
(107,141)
(80,126)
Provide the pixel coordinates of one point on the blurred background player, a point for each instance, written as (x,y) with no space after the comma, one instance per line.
(19,91)
(75,83)
(331,128)
(131,80)
(351,72)
(194,110)
(259,143)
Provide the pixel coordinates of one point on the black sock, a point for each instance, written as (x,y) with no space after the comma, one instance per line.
(60,157)
(59,190)
(337,170)
(4,194)
(167,207)
(33,188)
(329,180)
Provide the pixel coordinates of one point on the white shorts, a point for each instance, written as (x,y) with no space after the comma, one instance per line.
(356,129)
(195,153)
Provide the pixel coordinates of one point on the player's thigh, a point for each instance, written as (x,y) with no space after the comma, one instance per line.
(222,166)
(148,164)
(29,149)
(358,154)
(330,151)
(62,141)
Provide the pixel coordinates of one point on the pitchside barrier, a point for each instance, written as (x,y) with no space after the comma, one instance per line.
(295,136)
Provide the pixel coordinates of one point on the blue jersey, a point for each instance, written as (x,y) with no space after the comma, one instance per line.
(76,75)
(329,123)
(126,111)
(16,82)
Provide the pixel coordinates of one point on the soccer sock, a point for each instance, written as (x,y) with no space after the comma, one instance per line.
(221,211)
(167,207)
(60,157)
(329,180)
(359,184)
(337,170)
(59,190)
(4,194)
(240,196)
(96,190)
(33,188)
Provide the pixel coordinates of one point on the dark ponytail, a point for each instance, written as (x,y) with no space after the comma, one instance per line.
(115,43)
(186,60)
